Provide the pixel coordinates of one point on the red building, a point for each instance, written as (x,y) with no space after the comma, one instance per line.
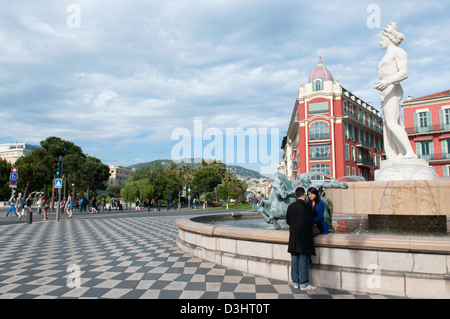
(427,122)
(332,131)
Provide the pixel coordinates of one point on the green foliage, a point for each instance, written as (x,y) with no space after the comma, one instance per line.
(37,168)
(114,191)
(5,170)
(164,182)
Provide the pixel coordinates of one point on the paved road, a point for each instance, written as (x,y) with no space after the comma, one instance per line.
(123,255)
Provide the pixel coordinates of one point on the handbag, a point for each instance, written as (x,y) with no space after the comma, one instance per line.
(316,230)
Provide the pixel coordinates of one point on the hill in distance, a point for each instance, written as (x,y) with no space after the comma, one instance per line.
(238,171)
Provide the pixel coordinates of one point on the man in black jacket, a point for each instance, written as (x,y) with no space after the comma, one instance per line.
(300,219)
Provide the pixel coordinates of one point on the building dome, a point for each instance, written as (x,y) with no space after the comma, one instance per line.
(320,72)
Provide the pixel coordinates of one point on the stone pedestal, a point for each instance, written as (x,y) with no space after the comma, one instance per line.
(405,170)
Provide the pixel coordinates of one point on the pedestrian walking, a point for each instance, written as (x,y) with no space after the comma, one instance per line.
(300,219)
(45,204)
(255,203)
(94,205)
(39,204)
(12,204)
(138,204)
(155,202)
(27,206)
(69,206)
(19,204)
(170,203)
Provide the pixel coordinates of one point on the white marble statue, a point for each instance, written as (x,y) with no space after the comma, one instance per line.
(393,69)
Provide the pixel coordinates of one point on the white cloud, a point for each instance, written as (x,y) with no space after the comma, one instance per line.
(134,72)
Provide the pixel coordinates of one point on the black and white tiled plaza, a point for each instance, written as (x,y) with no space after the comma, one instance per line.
(123,255)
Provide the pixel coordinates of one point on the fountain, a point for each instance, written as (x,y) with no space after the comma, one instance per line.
(411,258)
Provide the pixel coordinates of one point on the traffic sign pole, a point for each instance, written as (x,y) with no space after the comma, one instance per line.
(58,208)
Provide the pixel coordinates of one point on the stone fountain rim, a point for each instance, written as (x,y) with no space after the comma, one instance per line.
(413,244)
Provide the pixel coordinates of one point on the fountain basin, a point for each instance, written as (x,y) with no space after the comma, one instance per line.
(408,266)
(405,205)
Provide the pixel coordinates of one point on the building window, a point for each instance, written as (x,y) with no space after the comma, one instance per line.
(319,131)
(318,108)
(422,122)
(423,119)
(320,152)
(353,154)
(347,152)
(318,85)
(321,168)
(445,119)
(424,149)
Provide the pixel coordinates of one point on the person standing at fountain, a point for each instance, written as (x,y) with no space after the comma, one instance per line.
(300,219)
(318,209)
(393,69)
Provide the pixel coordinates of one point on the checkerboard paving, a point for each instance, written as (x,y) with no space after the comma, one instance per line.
(134,257)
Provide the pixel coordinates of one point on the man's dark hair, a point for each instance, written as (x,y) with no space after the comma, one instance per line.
(300,191)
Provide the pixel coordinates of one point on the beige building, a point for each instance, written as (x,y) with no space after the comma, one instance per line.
(118,175)
(11,152)
(259,187)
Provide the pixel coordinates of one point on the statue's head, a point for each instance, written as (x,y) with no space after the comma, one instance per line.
(280,185)
(391,33)
(305,179)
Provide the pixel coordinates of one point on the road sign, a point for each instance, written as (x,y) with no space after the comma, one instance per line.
(13,182)
(13,176)
(14,170)
(58,183)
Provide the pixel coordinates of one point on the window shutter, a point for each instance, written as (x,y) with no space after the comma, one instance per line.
(444,145)
(446,171)
(429,122)
(416,123)
(419,149)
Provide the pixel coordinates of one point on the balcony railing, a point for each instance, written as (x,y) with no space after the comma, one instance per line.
(428,129)
(435,156)
(365,162)
(365,144)
(363,121)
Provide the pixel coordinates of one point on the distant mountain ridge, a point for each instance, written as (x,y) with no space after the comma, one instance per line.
(238,171)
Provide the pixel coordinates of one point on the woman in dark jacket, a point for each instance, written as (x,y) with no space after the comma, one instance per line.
(299,217)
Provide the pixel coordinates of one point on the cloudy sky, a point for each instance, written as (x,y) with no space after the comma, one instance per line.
(118,78)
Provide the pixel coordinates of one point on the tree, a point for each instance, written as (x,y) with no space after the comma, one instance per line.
(205,179)
(36,169)
(114,191)
(232,187)
(129,192)
(94,174)
(5,170)
(146,190)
